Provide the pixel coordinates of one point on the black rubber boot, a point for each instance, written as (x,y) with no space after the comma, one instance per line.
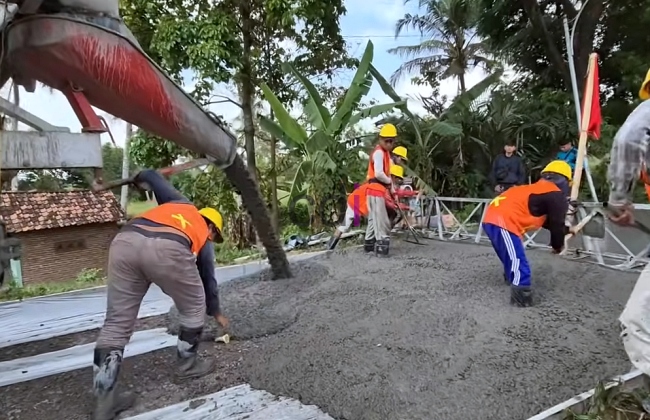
(381,247)
(190,365)
(108,401)
(369,245)
(521,296)
(334,240)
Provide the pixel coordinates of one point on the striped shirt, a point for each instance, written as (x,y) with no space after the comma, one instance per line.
(629,153)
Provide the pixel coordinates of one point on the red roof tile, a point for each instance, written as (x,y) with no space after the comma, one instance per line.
(24,211)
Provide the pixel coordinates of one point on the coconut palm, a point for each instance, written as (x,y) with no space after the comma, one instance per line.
(450,47)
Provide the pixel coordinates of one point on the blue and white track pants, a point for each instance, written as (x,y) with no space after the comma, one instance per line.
(510,250)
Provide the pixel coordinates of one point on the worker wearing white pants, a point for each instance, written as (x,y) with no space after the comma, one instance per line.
(379,183)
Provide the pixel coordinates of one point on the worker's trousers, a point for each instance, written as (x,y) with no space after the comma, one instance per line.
(378,221)
(348,220)
(510,250)
(134,262)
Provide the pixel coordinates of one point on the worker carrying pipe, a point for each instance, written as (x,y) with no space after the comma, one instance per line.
(170,245)
(358,207)
(378,230)
(523,208)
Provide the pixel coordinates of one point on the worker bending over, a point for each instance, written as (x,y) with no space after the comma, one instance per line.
(171,246)
(378,230)
(523,208)
(358,207)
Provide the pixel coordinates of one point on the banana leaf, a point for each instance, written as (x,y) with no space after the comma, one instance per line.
(288,124)
(359,87)
(316,112)
(373,111)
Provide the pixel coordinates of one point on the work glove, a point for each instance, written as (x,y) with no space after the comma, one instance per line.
(622,214)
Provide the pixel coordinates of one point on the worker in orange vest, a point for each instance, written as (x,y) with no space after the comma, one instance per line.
(378,231)
(357,206)
(399,155)
(171,246)
(524,208)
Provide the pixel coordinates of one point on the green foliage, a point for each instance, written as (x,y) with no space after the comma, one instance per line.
(67,179)
(324,151)
(450,49)
(91,277)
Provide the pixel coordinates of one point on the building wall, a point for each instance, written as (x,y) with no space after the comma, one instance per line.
(58,255)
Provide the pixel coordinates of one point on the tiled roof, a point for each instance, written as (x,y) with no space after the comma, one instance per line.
(29,210)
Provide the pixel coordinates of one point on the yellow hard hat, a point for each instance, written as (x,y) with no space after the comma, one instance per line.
(388,131)
(397,171)
(400,151)
(644,92)
(214,216)
(559,167)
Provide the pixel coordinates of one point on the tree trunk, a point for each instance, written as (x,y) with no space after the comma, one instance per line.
(461,82)
(247,89)
(243,180)
(275,208)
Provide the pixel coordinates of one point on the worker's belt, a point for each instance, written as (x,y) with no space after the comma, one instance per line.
(376,181)
(158,231)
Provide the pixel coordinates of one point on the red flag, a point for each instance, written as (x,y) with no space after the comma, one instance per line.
(595,118)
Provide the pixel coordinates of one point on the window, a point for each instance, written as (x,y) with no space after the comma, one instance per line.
(67,246)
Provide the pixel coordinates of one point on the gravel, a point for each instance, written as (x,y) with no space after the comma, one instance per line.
(427,333)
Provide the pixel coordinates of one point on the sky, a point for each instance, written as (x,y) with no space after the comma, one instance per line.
(364,21)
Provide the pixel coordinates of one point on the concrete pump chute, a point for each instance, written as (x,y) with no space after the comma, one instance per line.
(83,49)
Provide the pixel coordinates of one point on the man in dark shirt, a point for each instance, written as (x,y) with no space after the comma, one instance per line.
(171,246)
(507,169)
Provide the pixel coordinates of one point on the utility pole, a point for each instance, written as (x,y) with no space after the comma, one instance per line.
(124,195)
(14,127)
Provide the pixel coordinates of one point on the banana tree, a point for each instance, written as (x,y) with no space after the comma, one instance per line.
(320,145)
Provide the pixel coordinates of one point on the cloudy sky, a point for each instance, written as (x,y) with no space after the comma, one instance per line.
(364,21)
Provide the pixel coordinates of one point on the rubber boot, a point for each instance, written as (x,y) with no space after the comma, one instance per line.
(190,365)
(108,401)
(334,240)
(381,247)
(521,296)
(369,245)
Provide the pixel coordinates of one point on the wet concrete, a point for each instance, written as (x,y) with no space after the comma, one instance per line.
(425,334)
(429,333)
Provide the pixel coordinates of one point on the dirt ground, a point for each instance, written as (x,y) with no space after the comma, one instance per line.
(425,334)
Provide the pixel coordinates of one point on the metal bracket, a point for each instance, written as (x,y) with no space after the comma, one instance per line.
(28,118)
(50,150)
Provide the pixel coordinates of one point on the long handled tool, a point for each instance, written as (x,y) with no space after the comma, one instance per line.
(166,172)
(411,229)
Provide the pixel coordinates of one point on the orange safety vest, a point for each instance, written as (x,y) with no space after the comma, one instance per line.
(183,217)
(510,210)
(646,181)
(357,200)
(375,188)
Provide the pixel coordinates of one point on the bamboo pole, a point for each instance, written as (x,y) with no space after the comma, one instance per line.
(584,126)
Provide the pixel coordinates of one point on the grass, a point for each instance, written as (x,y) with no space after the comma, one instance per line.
(86,279)
(615,403)
(137,207)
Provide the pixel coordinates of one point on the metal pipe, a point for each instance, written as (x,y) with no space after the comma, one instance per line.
(572,69)
(124,193)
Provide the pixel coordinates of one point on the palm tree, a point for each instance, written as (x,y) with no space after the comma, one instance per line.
(450,47)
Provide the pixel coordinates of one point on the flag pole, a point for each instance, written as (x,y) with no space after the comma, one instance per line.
(584,126)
